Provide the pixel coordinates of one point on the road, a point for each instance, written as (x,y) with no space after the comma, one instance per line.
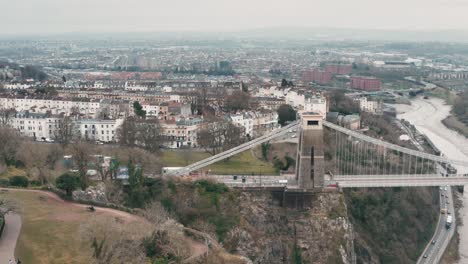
(426,115)
(439,241)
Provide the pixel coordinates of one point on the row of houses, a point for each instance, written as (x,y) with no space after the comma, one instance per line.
(255,123)
(47,127)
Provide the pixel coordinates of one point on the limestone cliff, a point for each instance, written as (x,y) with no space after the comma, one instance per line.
(270,233)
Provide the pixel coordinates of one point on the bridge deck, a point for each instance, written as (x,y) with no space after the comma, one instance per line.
(397,181)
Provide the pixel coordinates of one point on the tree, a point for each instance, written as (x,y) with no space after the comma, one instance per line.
(238,100)
(148,135)
(339,102)
(220,135)
(65,133)
(286,113)
(138,109)
(68,183)
(5,115)
(142,133)
(9,142)
(126,133)
(245,87)
(265,150)
(135,181)
(35,160)
(81,157)
(113,241)
(19,181)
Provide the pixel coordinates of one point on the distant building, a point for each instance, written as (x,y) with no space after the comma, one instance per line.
(365,83)
(371,106)
(339,69)
(182,133)
(448,75)
(317,76)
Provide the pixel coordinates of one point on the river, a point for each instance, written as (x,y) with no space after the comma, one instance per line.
(427,115)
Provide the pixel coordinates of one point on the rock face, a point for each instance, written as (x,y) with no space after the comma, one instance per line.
(269,233)
(95,194)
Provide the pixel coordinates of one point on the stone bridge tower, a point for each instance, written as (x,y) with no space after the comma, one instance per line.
(310,156)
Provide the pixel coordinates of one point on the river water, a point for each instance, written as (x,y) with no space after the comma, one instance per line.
(427,115)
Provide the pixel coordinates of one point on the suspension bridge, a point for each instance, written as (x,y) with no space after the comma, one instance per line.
(329,155)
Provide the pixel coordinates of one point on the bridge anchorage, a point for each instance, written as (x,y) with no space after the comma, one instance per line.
(330,156)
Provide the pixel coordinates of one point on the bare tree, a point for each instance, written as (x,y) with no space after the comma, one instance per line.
(220,135)
(75,111)
(149,135)
(81,157)
(6,114)
(126,133)
(34,157)
(9,142)
(142,133)
(114,242)
(238,100)
(65,133)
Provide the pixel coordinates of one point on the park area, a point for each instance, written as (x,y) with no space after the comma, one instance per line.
(245,163)
(51,228)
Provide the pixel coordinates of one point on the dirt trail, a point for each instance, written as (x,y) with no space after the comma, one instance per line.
(9,237)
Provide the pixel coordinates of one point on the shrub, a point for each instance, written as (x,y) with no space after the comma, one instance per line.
(4,182)
(68,183)
(19,181)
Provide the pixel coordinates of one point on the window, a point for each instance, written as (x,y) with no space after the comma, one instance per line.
(312,123)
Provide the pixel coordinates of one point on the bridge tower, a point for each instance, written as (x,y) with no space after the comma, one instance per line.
(310,156)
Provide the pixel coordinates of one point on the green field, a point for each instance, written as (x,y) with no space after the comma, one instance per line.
(244,163)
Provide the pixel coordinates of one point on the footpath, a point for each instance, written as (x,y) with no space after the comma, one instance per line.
(9,237)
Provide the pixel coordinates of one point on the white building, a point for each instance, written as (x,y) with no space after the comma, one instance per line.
(295,99)
(316,104)
(17,86)
(37,126)
(151,109)
(135,86)
(98,130)
(264,122)
(371,106)
(244,120)
(54,106)
(180,133)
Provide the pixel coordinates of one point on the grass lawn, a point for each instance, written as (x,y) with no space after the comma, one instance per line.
(242,163)
(12,171)
(50,231)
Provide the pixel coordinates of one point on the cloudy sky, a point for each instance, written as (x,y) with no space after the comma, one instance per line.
(59,16)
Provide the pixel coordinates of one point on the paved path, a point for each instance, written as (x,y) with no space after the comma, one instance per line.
(9,237)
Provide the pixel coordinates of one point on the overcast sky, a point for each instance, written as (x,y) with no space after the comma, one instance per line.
(60,16)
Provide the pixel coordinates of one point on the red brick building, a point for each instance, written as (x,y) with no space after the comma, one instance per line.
(315,75)
(365,83)
(340,69)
